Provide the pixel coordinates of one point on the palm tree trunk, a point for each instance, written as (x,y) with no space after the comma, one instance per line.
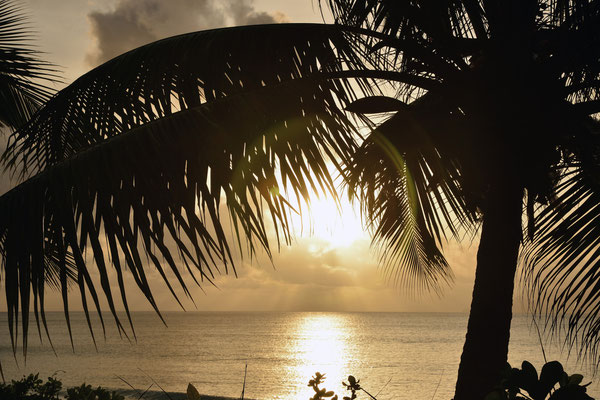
(486,346)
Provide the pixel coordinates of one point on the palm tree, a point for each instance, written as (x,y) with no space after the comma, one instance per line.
(491,115)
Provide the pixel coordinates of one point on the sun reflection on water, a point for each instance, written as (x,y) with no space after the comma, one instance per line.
(321,342)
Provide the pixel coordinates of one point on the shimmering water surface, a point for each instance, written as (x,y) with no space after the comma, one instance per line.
(416,355)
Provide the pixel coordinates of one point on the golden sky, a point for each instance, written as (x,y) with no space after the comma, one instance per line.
(327,268)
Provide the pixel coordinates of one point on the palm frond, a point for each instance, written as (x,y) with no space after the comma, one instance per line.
(128,180)
(571,35)
(403,19)
(431,41)
(23,75)
(560,266)
(173,74)
(409,191)
(568,12)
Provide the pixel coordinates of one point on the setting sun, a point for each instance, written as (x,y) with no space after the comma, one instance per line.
(321,217)
(339,225)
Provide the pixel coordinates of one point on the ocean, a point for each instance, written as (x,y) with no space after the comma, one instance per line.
(395,355)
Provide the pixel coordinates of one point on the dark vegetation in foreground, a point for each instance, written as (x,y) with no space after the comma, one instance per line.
(553,383)
(33,388)
(524,383)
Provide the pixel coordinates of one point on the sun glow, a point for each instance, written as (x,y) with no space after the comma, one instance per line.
(338,224)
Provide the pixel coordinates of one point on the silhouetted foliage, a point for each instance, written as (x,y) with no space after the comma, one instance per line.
(320,393)
(353,385)
(31,387)
(24,76)
(86,392)
(524,384)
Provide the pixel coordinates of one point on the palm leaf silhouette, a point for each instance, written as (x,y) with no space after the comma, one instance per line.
(144,159)
(23,75)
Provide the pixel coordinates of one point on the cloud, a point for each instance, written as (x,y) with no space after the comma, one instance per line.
(242,13)
(132,23)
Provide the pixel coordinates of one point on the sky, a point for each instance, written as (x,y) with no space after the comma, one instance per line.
(330,267)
